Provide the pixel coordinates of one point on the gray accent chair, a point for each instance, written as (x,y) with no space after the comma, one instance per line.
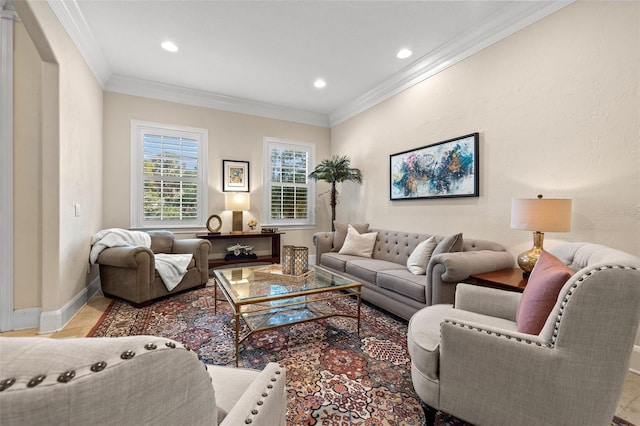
(129,272)
(470,361)
(137,380)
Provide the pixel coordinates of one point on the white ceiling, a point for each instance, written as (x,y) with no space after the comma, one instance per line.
(262,57)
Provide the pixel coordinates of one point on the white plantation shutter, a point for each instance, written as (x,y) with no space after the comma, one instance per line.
(170,176)
(290,201)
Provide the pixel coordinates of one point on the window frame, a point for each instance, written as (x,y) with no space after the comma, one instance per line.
(138,129)
(268,145)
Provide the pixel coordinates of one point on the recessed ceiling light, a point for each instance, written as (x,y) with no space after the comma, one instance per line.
(320,83)
(404,53)
(169,46)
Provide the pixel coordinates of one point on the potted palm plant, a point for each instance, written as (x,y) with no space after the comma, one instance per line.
(335,170)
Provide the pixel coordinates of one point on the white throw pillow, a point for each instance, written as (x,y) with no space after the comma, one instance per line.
(358,244)
(419,258)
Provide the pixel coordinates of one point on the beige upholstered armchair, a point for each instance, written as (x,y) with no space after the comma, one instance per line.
(137,380)
(472,362)
(129,272)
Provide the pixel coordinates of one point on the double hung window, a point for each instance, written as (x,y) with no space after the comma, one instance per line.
(289,193)
(169,175)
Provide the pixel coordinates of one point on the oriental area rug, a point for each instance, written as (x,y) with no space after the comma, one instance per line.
(334,375)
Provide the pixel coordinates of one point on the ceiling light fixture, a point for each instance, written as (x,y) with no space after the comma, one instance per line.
(320,83)
(169,46)
(404,53)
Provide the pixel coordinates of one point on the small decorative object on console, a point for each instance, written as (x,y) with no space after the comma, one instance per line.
(214,229)
(269,230)
(240,251)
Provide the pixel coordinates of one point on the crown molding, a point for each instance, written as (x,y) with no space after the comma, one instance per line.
(8,10)
(498,27)
(166,92)
(72,19)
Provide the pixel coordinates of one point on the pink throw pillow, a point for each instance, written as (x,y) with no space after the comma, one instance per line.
(545,282)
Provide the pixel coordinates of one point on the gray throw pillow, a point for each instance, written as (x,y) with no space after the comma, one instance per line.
(450,244)
(341,233)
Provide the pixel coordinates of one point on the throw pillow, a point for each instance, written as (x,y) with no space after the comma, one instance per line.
(358,244)
(417,262)
(341,233)
(450,244)
(547,278)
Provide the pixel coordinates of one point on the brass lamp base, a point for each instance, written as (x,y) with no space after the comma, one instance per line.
(527,259)
(236,224)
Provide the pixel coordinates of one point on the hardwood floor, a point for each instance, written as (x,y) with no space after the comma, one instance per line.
(82,323)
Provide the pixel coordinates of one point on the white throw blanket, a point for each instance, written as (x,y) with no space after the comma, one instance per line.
(170,267)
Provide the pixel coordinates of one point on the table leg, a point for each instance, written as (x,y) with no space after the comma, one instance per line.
(215,297)
(237,337)
(359,299)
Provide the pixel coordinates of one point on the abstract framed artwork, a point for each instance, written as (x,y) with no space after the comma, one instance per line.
(441,170)
(235,176)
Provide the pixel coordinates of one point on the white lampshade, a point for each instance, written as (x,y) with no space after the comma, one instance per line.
(237,201)
(541,214)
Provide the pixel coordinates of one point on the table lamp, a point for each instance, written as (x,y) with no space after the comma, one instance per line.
(539,215)
(237,202)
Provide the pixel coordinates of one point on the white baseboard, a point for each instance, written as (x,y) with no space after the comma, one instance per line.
(26,318)
(52,321)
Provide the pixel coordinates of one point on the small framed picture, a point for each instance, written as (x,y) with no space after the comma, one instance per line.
(235,176)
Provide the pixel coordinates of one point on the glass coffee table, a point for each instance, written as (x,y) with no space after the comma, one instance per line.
(266,299)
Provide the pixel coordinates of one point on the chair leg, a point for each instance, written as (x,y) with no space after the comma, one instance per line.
(429,414)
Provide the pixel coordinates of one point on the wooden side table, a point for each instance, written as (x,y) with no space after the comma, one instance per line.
(505,279)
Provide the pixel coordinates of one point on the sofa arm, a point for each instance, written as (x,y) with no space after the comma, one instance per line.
(323,242)
(137,380)
(487,301)
(200,249)
(263,402)
(131,257)
(445,270)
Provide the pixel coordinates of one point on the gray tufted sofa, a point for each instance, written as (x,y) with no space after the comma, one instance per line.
(136,380)
(386,281)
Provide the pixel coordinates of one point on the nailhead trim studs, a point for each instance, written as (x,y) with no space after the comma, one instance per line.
(6,383)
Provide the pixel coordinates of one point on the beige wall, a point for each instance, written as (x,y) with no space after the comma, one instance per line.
(65,137)
(27,173)
(232,136)
(558,112)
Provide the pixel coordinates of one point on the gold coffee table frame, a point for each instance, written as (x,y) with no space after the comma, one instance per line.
(266,303)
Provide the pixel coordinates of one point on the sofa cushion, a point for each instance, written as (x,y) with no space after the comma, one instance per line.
(337,261)
(539,296)
(367,269)
(358,244)
(341,233)
(423,334)
(450,244)
(403,282)
(419,258)
(161,241)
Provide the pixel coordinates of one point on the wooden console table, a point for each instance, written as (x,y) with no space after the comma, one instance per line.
(225,237)
(505,279)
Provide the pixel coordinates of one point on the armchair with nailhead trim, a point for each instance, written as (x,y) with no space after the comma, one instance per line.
(473,361)
(136,380)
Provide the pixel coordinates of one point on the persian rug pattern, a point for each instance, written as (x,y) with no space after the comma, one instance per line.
(334,375)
